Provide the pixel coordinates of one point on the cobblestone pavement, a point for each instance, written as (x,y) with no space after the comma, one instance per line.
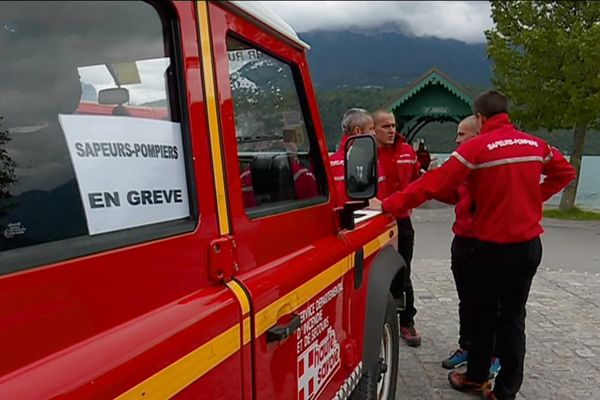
(563,335)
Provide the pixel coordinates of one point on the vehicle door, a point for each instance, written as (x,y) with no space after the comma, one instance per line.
(290,260)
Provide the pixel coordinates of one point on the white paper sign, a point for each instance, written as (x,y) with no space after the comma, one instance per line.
(130,171)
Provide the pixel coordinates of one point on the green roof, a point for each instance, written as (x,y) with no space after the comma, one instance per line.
(432,77)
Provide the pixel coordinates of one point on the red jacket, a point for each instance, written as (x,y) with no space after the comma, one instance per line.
(247,188)
(464,222)
(503,168)
(424,158)
(400,167)
(336,162)
(305,184)
(463,210)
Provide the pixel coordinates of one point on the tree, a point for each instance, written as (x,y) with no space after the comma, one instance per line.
(546,58)
(7,169)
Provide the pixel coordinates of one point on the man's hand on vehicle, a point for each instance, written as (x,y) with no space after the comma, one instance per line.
(375,204)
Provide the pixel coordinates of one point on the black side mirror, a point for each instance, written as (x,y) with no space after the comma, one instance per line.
(361,167)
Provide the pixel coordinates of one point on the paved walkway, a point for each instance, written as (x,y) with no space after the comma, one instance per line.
(563,331)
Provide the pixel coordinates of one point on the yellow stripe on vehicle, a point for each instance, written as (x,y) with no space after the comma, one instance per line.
(171,380)
(268,316)
(379,242)
(247,331)
(241,296)
(213,119)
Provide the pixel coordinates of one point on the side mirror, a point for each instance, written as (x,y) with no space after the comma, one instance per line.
(113,96)
(361,167)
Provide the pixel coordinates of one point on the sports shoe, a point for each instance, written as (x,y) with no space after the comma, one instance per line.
(459,381)
(495,367)
(456,359)
(411,336)
(488,394)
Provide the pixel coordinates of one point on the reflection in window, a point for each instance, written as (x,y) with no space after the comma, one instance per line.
(136,88)
(96,58)
(278,163)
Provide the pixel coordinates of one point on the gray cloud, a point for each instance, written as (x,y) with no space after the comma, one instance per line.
(461,20)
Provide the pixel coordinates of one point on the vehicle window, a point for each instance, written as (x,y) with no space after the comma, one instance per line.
(90,136)
(278,154)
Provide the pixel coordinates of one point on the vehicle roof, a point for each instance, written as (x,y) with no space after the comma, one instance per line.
(261,12)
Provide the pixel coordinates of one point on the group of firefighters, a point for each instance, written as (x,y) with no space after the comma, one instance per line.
(498,178)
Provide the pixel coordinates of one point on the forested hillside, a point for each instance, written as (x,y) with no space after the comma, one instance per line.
(369,69)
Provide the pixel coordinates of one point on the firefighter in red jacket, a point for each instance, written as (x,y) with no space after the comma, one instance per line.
(460,256)
(400,167)
(503,168)
(355,121)
(305,184)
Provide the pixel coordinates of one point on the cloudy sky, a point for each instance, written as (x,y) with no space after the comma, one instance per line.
(461,20)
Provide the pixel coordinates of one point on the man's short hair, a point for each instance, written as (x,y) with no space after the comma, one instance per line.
(354,117)
(470,120)
(377,113)
(489,103)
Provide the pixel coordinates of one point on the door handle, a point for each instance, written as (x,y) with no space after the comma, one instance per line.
(280,332)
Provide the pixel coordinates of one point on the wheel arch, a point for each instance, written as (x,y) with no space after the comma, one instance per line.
(387,268)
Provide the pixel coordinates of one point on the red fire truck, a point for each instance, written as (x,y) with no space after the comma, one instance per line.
(168,226)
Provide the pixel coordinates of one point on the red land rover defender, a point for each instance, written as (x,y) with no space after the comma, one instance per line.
(167,224)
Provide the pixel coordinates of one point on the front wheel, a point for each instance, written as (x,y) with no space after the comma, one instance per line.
(379,382)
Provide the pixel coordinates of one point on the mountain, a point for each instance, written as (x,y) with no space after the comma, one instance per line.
(340,59)
(366,69)
(44,216)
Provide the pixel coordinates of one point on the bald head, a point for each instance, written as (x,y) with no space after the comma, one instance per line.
(467,129)
(385,127)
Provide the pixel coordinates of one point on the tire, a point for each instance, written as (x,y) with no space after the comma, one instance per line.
(379,383)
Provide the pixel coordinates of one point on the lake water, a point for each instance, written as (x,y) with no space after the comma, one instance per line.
(588,193)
